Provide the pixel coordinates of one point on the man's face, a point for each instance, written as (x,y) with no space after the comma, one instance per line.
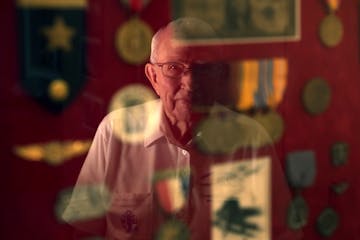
(174,92)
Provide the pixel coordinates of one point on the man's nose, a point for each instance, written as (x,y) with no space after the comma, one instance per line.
(187,81)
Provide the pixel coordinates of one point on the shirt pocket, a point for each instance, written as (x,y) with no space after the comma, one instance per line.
(129,216)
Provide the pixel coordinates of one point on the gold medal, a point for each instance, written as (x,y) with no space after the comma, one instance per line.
(58,90)
(273,124)
(331,30)
(220,133)
(316,96)
(133,40)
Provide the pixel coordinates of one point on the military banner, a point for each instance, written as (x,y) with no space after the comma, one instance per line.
(52,50)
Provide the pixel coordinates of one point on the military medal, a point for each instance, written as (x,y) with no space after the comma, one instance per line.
(133,38)
(316,96)
(132,123)
(331,27)
(340,188)
(301,168)
(220,133)
(131,95)
(259,83)
(298,213)
(273,124)
(172,188)
(327,222)
(301,172)
(173,230)
(53,153)
(339,153)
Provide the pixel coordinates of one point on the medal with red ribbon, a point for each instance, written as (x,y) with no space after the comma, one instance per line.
(135,5)
(333,5)
(133,38)
(331,27)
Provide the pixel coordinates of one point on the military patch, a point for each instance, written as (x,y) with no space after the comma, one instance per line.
(172,187)
(301,168)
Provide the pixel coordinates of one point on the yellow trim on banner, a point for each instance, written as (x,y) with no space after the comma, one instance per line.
(52,3)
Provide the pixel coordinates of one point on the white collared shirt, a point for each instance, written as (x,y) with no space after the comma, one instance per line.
(125,164)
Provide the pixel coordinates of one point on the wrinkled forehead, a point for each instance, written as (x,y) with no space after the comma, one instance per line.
(174,49)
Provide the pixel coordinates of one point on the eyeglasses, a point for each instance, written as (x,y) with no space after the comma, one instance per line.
(176,69)
(173,69)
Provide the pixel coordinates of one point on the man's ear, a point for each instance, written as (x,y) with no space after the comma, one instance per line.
(151,75)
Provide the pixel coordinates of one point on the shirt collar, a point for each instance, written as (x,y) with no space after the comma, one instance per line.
(156,117)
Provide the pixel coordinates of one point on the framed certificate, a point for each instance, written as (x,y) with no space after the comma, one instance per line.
(243,21)
(241,205)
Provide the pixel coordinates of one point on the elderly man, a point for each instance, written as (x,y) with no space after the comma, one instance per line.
(172,180)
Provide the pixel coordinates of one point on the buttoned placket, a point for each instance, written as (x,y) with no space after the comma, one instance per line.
(184,165)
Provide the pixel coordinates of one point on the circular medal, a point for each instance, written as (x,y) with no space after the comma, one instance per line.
(316,96)
(273,124)
(174,230)
(58,90)
(133,40)
(219,134)
(327,222)
(298,213)
(331,30)
(137,116)
(340,188)
(131,95)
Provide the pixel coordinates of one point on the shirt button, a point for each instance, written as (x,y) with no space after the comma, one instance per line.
(184,152)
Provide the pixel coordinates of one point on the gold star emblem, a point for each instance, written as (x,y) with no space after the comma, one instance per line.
(59,35)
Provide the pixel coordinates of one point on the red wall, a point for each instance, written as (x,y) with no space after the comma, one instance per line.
(29,189)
